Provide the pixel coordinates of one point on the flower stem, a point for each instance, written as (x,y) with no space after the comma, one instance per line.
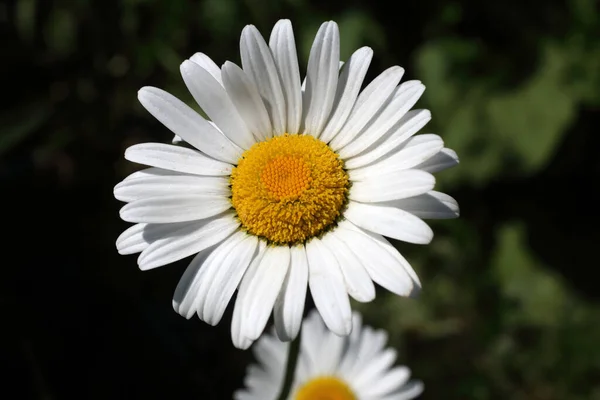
(292,359)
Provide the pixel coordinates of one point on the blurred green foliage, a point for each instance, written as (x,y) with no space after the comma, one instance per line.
(507,85)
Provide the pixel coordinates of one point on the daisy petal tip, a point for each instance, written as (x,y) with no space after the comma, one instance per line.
(415,292)
(283,23)
(123,213)
(121,249)
(343,329)
(212,320)
(143,266)
(284,333)
(128,151)
(365,297)
(250,30)
(117,192)
(175,305)
(227,65)
(366,49)
(143,90)
(283,336)
(348,325)
(184,312)
(398,69)
(242,343)
(427,237)
(253,332)
(146,262)
(454,155)
(145,94)
(186,66)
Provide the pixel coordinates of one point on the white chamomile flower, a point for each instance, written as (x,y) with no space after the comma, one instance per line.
(285,187)
(354,367)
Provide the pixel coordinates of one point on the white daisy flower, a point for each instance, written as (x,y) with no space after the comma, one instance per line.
(328,366)
(285,187)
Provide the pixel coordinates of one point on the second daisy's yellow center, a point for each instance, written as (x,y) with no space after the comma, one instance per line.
(289,189)
(325,388)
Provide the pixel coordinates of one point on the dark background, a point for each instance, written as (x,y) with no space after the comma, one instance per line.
(510,305)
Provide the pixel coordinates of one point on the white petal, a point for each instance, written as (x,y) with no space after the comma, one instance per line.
(174,208)
(208,64)
(361,348)
(153,171)
(404,97)
(382,267)
(264,284)
(431,205)
(371,343)
(213,99)
(176,140)
(271,354)
(186,290)
(138,237)
(244,94)
(391,250)
(290,302)
(392,380)
(175,158)
(238,338)
(132,240)
(349,358)
(188,124)
(225,279)
(283,46)
(445,159)
(367,105)
(374,368)
(191,238)
(262,394)
(358,283)
(303,87)
(401,131)
(349,84)
(258,63)
(265,378)
(413,152)
(321,78)
(328,288)
(330,351)
(313,331)
(411,390)
(188,296)
(389,221)
(392,186)
(132,189)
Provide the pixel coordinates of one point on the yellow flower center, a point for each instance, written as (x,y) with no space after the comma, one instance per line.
(289,189)
(325,388)
(286,177)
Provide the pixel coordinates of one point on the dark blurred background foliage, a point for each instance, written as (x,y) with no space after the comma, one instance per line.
(509,307)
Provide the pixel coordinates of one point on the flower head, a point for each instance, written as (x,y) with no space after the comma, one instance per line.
(355,367)
(287,186)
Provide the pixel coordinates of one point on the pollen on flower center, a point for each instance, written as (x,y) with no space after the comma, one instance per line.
(286,177)
(325,388)
(289,189)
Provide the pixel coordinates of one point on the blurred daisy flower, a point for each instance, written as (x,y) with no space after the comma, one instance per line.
(287,186)
(328,366)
